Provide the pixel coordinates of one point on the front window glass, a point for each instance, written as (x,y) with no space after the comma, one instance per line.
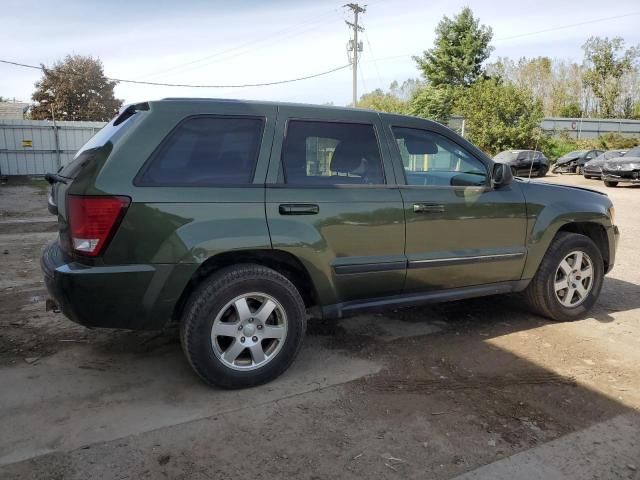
(432,159)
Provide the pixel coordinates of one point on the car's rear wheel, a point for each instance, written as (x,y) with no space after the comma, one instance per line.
(568,280)
(543,171)
(609,183)
(243,326)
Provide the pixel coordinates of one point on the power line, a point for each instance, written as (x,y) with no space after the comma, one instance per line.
(562,27)
(159,84)
(373,58)
(287,33)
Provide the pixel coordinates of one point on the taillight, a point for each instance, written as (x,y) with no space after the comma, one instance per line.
(93,221)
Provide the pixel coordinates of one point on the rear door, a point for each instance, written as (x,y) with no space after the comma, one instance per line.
(460,231)
(332,202)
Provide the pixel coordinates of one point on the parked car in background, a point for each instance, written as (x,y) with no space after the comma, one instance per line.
(622,169)
(523,162)
(573,162)
(593,168)
(230,218)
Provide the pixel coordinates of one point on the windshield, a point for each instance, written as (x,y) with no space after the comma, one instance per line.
(575,153)
(634,152)
(109,133)
(505,156)
(610,154)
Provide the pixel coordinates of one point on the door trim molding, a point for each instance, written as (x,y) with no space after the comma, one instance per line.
(443,262)
(369,267)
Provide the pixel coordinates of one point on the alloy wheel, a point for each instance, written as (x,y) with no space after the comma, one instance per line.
(574,279)
(249,331)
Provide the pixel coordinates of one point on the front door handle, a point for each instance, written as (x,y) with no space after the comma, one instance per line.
(428,208)
(298,209)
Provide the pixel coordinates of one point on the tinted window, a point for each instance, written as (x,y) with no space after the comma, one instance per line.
(327,153)
(432,159)
(204,151)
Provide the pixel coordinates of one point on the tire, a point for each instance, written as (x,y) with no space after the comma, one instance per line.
(578,170)
(543,172)
(541,293)
(212,309)
(609,183)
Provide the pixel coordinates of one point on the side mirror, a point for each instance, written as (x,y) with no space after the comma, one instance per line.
(502,175)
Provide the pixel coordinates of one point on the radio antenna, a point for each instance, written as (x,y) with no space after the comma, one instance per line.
(533,156)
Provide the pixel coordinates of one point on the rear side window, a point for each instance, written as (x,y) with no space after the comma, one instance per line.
(206,151)
(330,153)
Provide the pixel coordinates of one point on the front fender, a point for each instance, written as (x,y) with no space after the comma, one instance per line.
(551,207)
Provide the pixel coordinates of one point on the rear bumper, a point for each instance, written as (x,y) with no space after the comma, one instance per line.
(137,297)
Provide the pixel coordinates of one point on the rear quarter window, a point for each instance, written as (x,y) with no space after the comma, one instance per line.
(205,151)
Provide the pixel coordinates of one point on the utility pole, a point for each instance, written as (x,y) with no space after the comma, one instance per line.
(355,46)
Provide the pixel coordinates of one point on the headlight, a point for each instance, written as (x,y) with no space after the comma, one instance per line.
(612,214)
(633,166)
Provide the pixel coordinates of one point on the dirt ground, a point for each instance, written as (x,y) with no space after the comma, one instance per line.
(472,389)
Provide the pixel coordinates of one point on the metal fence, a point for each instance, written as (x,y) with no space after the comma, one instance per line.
(590,127)
(35,147)
(575,127)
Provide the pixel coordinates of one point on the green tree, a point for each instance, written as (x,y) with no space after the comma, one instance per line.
(500,116)
(570,110)
(396,100)
(461,47)
(434,103)
(607,62)
(76,89)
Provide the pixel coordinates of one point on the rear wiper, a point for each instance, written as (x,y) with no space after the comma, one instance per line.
(55,178)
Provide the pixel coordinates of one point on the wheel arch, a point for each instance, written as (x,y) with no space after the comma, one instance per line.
(283,262)
(595,231)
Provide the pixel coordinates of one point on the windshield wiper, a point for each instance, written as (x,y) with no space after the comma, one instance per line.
(55,178)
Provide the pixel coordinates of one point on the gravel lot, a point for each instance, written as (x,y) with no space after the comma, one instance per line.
(477,389)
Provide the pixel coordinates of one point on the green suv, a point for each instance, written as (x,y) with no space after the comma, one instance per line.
(231,218)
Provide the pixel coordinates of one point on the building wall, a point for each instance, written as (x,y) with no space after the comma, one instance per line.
(29,147)
(591,127)
(577,127)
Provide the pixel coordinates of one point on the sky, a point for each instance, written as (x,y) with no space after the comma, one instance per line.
(255,41)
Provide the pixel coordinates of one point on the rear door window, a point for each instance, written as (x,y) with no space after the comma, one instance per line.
(331,153)
(206,151)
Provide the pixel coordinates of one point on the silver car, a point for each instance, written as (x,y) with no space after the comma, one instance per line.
(593,168)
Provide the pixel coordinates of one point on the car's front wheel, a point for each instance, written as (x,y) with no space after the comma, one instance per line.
(568,280)
(609,183)
(243,326)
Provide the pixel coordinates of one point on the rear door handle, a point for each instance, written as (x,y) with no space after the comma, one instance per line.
(299,209)
(428,208)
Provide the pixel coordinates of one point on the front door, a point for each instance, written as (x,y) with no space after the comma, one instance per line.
(460,231)
(332,202)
